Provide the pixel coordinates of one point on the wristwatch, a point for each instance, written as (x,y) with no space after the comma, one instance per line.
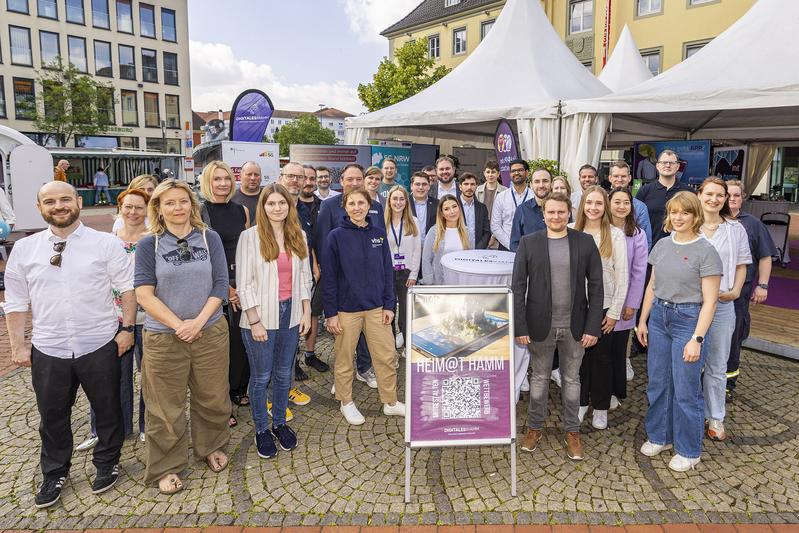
(698,338)
(129,329)
(763,286)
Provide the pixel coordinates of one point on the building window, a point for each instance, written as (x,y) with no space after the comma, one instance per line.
(75,11)
(172,108)
(130,108)
(103,66)
(21,53)
(18,6)
(129,142)
(459,41)
(433,47)
(152,117)
(147,20)
(105,105)
(157,144)
(96,141)
(101,18)
(127,62)
(700,2)
(648,7)
(485,27)
(581,16)
(50,46)
(149,65)
(124,16)
(170,68)
(2,99)
(652,60)
(77,52)
(169,30)
(47,9)
(450,3)
(692,48)
(24,99)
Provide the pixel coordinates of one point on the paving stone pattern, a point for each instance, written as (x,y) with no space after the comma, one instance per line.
(343,475)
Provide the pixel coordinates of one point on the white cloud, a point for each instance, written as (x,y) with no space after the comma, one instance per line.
(217,78)
(369,17)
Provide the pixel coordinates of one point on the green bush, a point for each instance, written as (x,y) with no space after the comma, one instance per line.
(550,164)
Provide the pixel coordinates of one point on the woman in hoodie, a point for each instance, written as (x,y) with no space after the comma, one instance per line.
(358,296)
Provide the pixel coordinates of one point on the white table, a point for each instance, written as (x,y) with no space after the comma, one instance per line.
(478,267)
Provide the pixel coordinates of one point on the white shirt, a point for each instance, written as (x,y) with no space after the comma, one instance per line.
(576,197)
(72,306)
(330,194)
(505,205)
(409,247)
(468,218)
(732,244)
(6,213)
(442,191)
(421,215)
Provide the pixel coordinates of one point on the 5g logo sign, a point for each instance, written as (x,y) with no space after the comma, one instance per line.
(504,143)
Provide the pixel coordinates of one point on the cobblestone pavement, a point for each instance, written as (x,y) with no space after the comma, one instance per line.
(347,475)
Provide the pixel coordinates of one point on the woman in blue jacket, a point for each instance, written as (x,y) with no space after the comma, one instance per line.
(358,296)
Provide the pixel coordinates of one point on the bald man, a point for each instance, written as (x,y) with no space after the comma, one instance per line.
(64,275)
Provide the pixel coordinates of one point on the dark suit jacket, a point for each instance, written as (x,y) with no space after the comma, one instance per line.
(482,225)
(532,286)
(432,207)
(433,192)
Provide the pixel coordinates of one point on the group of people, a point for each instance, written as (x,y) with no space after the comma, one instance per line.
(211,293)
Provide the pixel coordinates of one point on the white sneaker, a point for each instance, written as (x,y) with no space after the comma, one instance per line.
(555,376)
(614,403)
(600,419)
(630,371)
(88,444)
(352,414)
(525,386)
(679,463)
(582,412)
(333,389)
(142,437)
(399,341)
(650,449)
(398,409)
(368,377)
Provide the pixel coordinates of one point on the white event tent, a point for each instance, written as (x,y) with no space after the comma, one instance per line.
(520,71)
(626,67)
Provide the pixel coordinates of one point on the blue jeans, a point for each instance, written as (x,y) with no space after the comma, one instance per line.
(717,348)
(271,360)
(676,405)
(99,189)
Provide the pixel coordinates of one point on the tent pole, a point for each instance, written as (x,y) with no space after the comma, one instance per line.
(560,126)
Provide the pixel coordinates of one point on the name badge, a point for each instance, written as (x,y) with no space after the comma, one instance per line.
(399,262)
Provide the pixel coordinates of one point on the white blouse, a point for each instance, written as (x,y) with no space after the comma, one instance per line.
(732,244)
(410,247)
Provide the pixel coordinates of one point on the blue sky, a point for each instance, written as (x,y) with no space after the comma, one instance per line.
(300,52)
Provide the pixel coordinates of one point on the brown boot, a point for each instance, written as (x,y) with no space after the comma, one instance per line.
(574,447)
(530,440)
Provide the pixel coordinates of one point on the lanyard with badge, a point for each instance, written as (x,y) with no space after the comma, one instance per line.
(399,259)
(524,199)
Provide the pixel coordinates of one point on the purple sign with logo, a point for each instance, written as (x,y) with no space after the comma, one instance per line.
(250,116)
(506,149)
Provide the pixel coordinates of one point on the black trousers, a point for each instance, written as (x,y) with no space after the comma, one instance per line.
(401,291)
(56,382)
(239,370)
(595,374)
(618,362)
(741,333)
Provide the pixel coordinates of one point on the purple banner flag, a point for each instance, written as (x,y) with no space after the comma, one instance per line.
(506,149)
(250,116)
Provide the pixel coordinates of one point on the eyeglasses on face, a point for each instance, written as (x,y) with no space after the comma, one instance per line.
(58,248)
(294,176)
(183,250)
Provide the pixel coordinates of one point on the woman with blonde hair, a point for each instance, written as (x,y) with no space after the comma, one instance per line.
(274,281)
(181,281)
(596,376)
(448,235)
(405,242)
(228,219)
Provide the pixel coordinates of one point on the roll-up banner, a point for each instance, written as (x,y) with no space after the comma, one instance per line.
(250,116)
(506,149)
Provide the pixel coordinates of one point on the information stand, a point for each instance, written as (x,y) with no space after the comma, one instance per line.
(459,388)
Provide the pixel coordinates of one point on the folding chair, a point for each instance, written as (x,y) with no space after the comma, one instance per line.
(779,225)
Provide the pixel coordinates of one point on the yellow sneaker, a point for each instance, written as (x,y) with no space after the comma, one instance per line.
(289,414)
(297,397)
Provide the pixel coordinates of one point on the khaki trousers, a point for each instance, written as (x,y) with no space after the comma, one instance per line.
(381,345)
(170,367)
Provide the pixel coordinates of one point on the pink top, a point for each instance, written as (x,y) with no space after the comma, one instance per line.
(284,276)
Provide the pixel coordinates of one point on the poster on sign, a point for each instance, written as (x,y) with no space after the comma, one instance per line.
(728,162)
(401,154)
(250,116)
(459,367)
(334,157)
(506,149)
(266,155)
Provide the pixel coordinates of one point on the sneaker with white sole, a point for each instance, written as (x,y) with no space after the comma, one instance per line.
(368,377)
(398,409)
(106,478)
(399,342)
(88,444)
(142,436)
(614,403)
(352,414)
(715,430)
(333,389)
(49,492)
(525,386)
(582,412)
(679,463)
(630,371)
(650,449)
(297,397)
(555,376)
(600,419)
(289,414)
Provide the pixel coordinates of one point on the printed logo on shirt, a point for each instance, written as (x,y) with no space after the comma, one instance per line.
(177,258)
(377,242)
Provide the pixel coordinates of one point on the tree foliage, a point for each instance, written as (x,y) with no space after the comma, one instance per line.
(393,82)
(550,164)
(305,130)
(71,103)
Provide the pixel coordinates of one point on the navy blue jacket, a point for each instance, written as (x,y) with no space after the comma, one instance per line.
(354,279)
(528,219)
(332,214)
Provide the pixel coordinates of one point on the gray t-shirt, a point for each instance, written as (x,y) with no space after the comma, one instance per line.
(183,280)
(250,202)
(560,270)
(679,269)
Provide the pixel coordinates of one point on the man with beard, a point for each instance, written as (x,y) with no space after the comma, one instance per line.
(250,187)
(588,177)
(529,217)
(508,201)
(323,191)
(389,171)
(445,172)
(475,213)
(65,275)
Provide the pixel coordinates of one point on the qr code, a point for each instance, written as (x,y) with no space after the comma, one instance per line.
(460,398)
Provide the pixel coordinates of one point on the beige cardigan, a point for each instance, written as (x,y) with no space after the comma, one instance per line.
(257,283)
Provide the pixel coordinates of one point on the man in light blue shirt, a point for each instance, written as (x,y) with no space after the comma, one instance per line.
(101,184)
(620,177)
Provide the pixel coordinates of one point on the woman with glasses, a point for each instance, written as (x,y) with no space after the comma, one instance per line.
(448,235)
(181,281)
(274,284)
(145,182)
(228,219)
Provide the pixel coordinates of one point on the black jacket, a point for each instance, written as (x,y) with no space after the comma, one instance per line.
(532,286)
(482,225)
